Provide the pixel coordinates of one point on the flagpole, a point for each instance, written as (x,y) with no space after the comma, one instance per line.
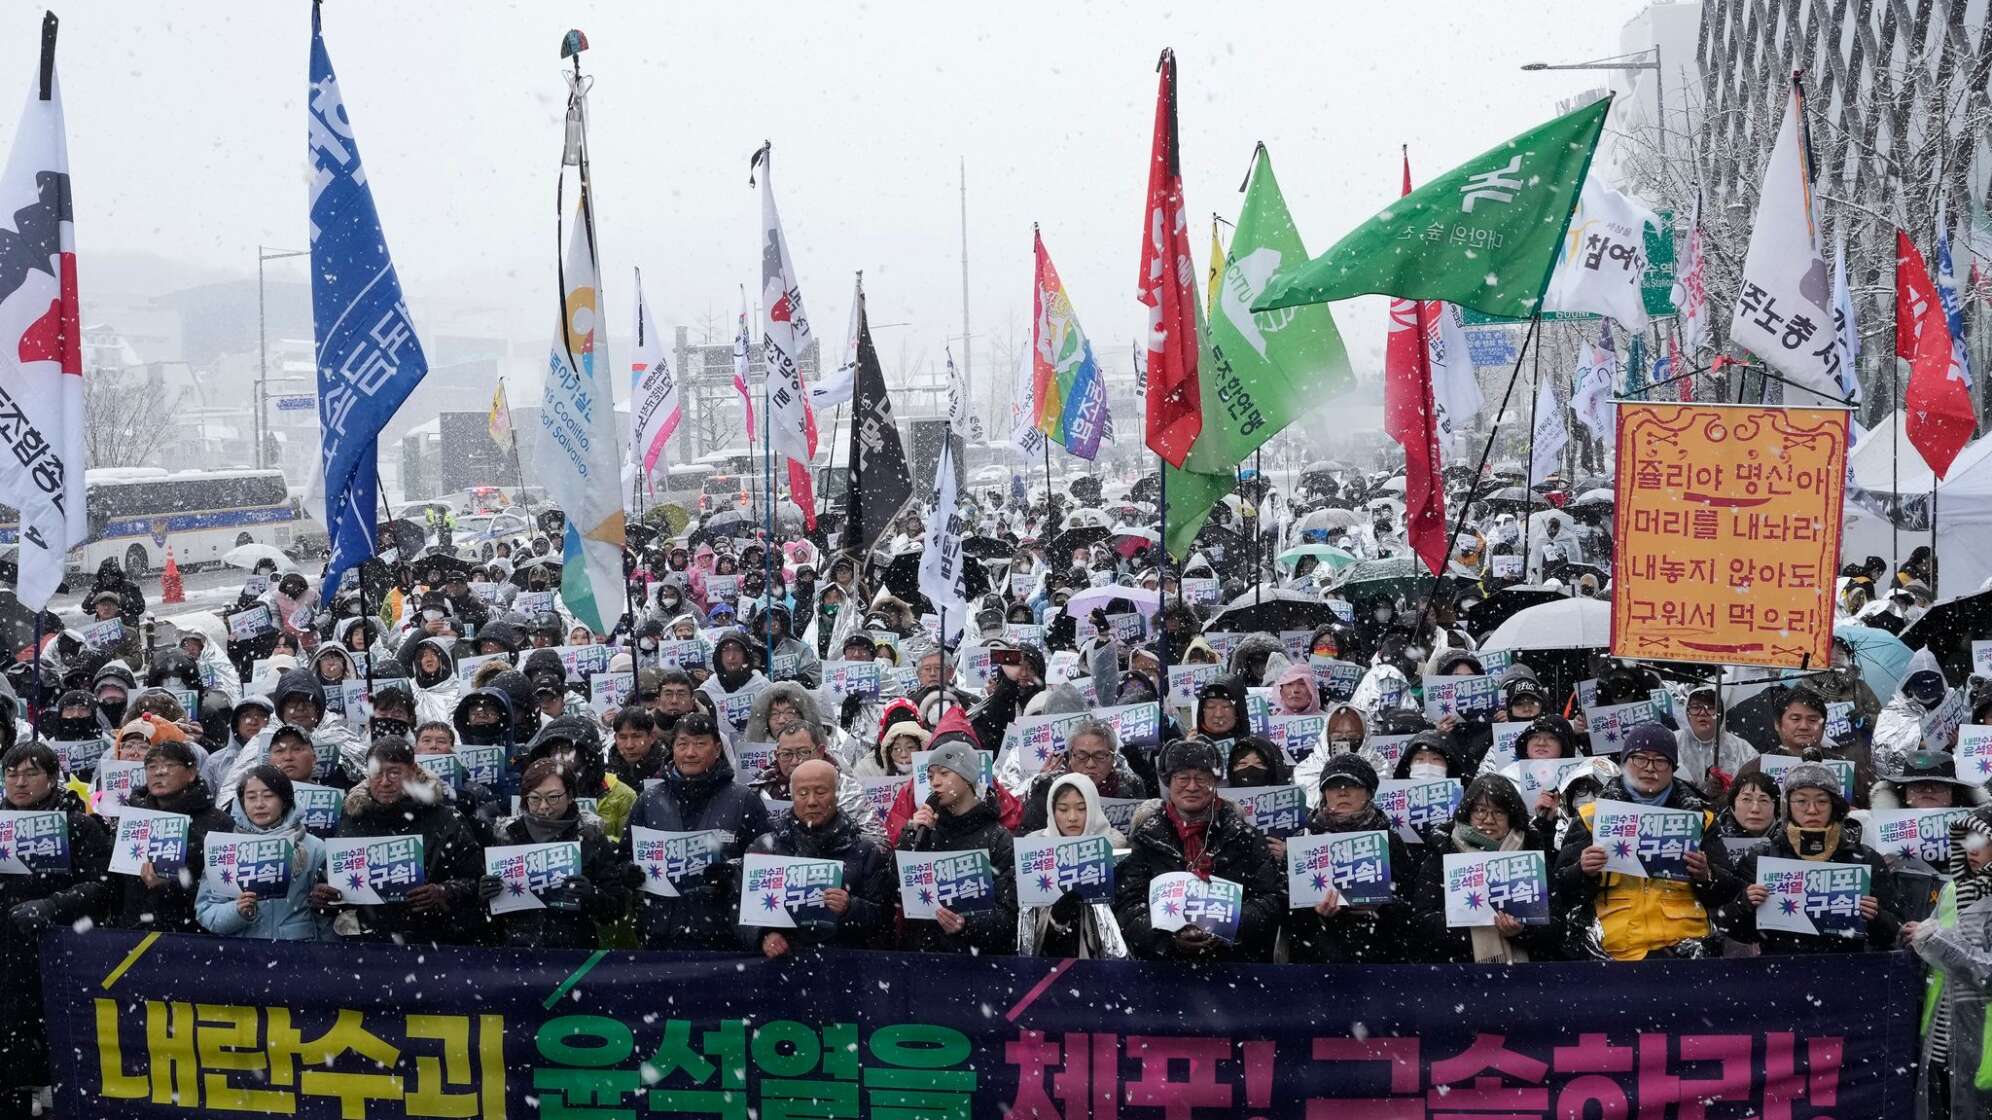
(1162,588)
(1896,419)
(1494,432)
(1528,473)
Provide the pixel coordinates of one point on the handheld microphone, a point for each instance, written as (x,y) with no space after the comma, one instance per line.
(923,835)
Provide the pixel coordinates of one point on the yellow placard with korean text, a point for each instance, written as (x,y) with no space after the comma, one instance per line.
(1728,533)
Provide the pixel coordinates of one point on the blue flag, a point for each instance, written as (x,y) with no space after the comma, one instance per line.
(368,357)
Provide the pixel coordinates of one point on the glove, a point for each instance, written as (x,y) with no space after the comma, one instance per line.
(33,917)
(490,887)
(574,894)
(1068,908)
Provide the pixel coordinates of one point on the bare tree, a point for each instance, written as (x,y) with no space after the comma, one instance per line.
(127,415)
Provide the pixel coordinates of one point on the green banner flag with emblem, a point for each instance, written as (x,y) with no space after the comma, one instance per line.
(1483,235)
(1260,370)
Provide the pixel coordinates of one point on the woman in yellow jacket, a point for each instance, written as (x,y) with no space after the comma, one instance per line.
(1626,917)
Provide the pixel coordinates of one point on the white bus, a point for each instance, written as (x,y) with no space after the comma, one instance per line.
(135,512)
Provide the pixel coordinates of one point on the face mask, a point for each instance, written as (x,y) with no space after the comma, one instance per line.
(383,725)
(1343,743)
(1427,771)
(1248,775)
(111,708)
(481,735)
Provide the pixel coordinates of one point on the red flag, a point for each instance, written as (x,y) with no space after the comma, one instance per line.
(1175,408)
(1940,419)
(1684,388)
(1410,419)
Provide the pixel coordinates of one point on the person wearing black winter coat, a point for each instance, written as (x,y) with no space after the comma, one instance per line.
(1813,827)
(399,798)
(955,819)
(697,793)
(1382,933)
(164,902)
(1491,805)
(39,901)
(576,908)
(1198,832)
(816,829)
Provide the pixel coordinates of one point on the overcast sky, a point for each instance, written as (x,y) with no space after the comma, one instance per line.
(187,139)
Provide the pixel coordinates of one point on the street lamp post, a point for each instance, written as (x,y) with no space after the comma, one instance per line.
(1616,62)
(265,254)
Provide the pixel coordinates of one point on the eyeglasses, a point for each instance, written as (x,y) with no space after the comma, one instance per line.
(1648,762)
(543,800)
(802,755)
(1090,756)
(1193,779)
(1700,707)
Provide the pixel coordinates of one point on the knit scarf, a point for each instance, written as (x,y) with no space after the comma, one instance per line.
(1488,944)
(1195,835)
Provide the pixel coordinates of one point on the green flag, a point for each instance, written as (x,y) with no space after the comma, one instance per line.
(1259,371)
(1483,235)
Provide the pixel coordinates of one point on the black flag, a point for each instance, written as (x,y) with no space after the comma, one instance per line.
(880,487)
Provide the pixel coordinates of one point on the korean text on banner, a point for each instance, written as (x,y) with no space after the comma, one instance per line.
(1729,533)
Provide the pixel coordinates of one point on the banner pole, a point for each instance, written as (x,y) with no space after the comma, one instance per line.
(1528,473)
(1162,589)
(1493,433)
(1259,531)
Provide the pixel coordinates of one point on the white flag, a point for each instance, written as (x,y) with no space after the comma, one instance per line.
(1024,433)
(958,418)
(41,364)
(785,338)
(1603,257)
(1844,328)
(1691,292)
(1455,385)
(1591,400)
(941,578)
(1784,300)
(578,456)
(1551,433)
(653,402)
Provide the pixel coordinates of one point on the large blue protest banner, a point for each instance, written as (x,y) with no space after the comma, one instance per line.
(176,1026)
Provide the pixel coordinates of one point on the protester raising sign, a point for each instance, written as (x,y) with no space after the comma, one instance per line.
(1413,805)
(1047,868)
(961,882)
(786,892)
(246,862)
(1178,899)
(150,836)
(33,841)
(1481,885)
(1274,810)
(1355,864)
(1813,898)
(369,871)
(1645,841)
(668,859)
(529,874)
(1916,833)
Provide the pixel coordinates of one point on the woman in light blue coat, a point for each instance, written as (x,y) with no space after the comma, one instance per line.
(267,806)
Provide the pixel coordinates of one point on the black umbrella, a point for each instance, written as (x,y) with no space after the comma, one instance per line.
(1496,608)
(1515,496)
(402,535)
(448,565)
(1229,552)
(1272,611)
(987,548)
(638,535)
(546,564)
(1947,629)
(1147,488)
(901,576)
(1059,551)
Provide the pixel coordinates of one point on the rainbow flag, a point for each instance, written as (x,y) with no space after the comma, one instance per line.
(1066,385)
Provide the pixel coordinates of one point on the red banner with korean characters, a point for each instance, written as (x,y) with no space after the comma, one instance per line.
(1727,532)
(157,1027)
